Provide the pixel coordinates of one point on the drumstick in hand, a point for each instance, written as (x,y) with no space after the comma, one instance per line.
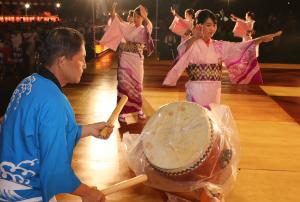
(104,132)
(125,184)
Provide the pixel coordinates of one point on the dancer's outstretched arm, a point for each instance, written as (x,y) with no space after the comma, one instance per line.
(267,38)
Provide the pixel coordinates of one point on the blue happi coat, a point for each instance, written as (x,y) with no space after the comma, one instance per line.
(37,138)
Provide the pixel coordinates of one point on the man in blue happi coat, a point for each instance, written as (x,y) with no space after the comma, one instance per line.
(39,131)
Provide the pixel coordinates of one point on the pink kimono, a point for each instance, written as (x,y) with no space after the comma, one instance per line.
(243,29)
(181,27)
(181,48)
(132,41)
(203,64)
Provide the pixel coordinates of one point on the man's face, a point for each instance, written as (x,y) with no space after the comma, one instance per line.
(72,68)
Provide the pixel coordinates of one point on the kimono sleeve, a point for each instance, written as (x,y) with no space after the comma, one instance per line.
(56,149)
(240,59)
(108,24)
(240,28)
(113,35)
(182,47)
(179,26)
(149,27)
(176,71)
(148,39)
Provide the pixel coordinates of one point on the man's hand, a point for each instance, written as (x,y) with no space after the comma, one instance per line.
(89,194)
(93,195)
(95,128)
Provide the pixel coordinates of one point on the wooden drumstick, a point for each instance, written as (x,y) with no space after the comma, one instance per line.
(104,132)
(125,184)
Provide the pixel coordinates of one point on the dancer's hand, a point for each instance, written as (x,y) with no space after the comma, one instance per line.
(197,32)
(114,8)
(267,38)
(173,11)
(270,37)
(233,17)
(144,12)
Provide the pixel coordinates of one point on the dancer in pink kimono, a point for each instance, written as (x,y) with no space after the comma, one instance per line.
(132,40)
(203,62)
(243,28)
(182,26)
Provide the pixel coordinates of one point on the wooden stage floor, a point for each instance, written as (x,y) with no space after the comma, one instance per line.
(267,117)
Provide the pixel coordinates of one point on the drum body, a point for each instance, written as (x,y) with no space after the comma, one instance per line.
(182,142)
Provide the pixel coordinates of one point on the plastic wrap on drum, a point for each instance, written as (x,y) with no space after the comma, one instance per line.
(211,179)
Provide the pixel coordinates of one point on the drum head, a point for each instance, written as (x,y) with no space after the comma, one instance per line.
(177,136)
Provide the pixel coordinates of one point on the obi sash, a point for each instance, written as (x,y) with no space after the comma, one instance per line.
(132,47)
(204,72)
